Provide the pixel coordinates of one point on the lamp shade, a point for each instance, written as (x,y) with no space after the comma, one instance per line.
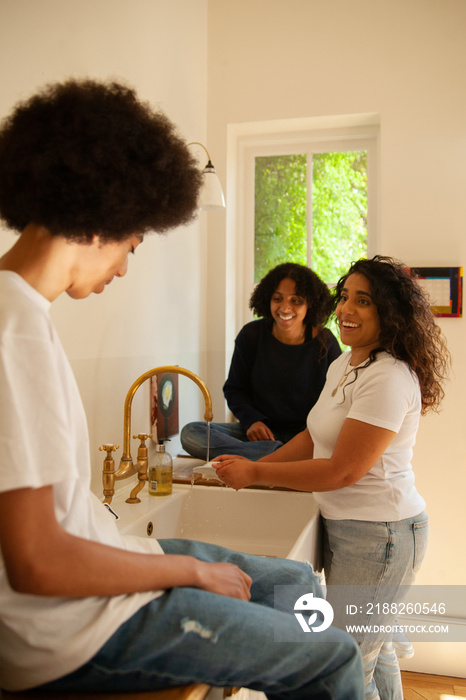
(211,194)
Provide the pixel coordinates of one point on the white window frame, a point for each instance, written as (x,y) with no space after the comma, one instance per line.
(285,137)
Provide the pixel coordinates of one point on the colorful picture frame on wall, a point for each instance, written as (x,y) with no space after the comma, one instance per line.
(444,286)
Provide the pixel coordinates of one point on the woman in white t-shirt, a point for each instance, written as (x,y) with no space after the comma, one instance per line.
(356,451)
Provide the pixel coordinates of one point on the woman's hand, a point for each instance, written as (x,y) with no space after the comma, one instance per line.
(259,431)
(223,579)
(236,472)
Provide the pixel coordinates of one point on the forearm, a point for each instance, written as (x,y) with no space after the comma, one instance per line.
(284,467)
(88,569)
(302,475)
(80,568)
(359,446)
(43,559)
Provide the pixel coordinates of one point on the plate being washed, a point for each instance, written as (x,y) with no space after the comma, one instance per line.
(208,472)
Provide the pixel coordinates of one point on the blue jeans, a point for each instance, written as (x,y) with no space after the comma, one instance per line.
(225,438)
(376,555)
(191,636)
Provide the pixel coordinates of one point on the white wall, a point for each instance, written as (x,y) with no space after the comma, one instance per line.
(406,61)
(156,315)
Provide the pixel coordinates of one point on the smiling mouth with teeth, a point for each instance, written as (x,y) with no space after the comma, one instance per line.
(348,324)
(285,318)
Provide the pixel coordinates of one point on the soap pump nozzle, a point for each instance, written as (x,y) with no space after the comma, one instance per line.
(160,445)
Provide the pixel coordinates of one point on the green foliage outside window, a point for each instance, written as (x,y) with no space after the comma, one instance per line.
(280,212)
(339,212)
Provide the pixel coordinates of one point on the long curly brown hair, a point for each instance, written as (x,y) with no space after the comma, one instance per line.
(85,157)
(408,330)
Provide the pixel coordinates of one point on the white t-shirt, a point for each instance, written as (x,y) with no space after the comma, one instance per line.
(385,394)
(43,441)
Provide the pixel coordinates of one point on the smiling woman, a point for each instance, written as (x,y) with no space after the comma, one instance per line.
(355,454)
(278,367)
(288,310)
(358,319)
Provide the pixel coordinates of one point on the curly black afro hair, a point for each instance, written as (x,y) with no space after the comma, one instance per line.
(308,285)
(86,157)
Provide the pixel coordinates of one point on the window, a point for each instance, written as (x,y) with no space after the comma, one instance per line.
(305,190)
(324,226)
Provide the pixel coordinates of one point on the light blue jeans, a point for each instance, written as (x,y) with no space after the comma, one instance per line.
(386,557)
(225,438)
(192,636)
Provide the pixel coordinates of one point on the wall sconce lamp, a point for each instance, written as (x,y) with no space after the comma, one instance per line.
(211,195)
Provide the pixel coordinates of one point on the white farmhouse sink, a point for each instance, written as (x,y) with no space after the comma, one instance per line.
(256,521)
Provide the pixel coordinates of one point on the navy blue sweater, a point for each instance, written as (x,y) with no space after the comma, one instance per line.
(276,383)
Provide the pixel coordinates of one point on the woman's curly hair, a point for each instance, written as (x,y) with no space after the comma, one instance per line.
(408,330)
(86,157)
(308,285)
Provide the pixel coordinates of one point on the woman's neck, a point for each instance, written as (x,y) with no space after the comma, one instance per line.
(292,337)
(360,355)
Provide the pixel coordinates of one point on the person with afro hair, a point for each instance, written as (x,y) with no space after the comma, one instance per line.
(278,367)
(86,170)
(81,160)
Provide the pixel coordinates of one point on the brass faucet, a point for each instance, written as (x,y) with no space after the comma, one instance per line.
(127,467)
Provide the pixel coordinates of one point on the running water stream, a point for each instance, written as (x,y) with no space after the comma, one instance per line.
(208,441)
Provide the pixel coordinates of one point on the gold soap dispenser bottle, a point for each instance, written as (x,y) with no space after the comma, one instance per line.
(161,473)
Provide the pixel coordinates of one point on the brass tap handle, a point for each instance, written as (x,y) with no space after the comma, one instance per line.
(108,472)
(109,449)
(143,455)
(142,437)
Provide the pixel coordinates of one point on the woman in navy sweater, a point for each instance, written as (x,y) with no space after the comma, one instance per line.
(277,370)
